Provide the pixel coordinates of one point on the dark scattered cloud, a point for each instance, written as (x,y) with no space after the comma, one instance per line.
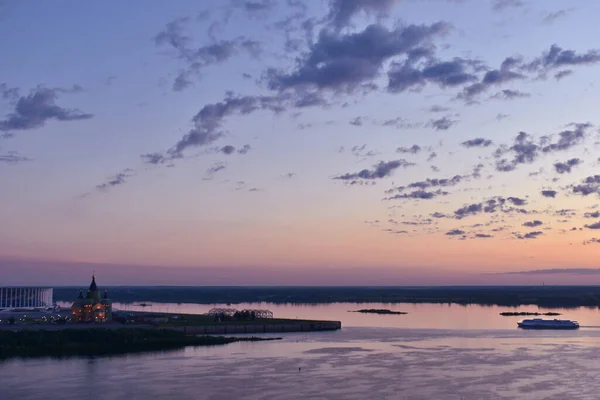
(442,124)
(525,149)
(37,108)
(455,232)
(483,236)
(501,5)
(529,235)
(595,225)
(345,62)
(517,201)
(414,149)
(196,59)
(508,94)
(116,180)
(493,205)
(213,169)
(255,6)
(477,142)
(208,123)
(418,194)
(12,157)
(593,240)
(533,224)
(381,170)
(557,271)
(437,109)
(594,214)
(565,167)
(428,183)
(227,149)
(245,149)
(563,74)
(358,121)
(470,209)
(362,151)
(342,11)
(557,57)
(549,193)
(555,15)
(568,138)
(445,74)
(401,123)
(8,93)
(477,171)
(495,77)
(590,185)
(501,116)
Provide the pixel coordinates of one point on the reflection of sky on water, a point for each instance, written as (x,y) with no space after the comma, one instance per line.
(354,363)
(420,316)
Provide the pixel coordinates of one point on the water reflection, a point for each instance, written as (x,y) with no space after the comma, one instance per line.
(354,363)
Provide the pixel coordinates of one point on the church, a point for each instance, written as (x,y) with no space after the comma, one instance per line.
(92,308)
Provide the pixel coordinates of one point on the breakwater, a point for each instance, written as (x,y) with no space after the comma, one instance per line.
(302,326)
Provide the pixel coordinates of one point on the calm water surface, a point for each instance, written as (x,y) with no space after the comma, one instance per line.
(434,352)
(420,316)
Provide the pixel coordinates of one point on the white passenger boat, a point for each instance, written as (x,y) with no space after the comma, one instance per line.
(539,323)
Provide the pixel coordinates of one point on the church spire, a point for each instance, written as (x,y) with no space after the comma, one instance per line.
(93,286)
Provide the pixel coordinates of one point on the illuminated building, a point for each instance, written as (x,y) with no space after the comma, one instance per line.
(92,308)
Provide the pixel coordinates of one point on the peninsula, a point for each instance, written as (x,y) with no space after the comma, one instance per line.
(98,341)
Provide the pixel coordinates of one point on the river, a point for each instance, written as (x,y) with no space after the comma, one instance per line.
(433,352)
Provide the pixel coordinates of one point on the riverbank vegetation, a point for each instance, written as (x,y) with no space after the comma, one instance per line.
(101,341)
(543,296)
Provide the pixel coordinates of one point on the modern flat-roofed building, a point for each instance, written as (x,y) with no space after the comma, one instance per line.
(25,297)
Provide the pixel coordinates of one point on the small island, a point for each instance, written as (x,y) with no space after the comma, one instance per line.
(526,314)
(102,341)
(380,311)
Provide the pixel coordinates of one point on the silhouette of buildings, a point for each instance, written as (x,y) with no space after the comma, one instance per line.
(92,308)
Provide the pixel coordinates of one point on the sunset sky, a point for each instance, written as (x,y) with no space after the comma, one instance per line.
(379,142)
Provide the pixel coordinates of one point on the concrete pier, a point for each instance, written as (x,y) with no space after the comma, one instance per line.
(312,326)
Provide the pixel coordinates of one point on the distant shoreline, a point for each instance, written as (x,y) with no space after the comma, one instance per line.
(509,296)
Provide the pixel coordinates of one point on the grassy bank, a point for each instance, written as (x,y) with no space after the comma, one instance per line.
(99,341)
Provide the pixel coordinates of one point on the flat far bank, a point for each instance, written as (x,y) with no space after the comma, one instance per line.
(99,341)
(511,296)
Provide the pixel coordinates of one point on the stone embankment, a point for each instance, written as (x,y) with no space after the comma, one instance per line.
(261,328)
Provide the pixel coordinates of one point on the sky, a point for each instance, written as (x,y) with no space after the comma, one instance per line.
(271,142)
